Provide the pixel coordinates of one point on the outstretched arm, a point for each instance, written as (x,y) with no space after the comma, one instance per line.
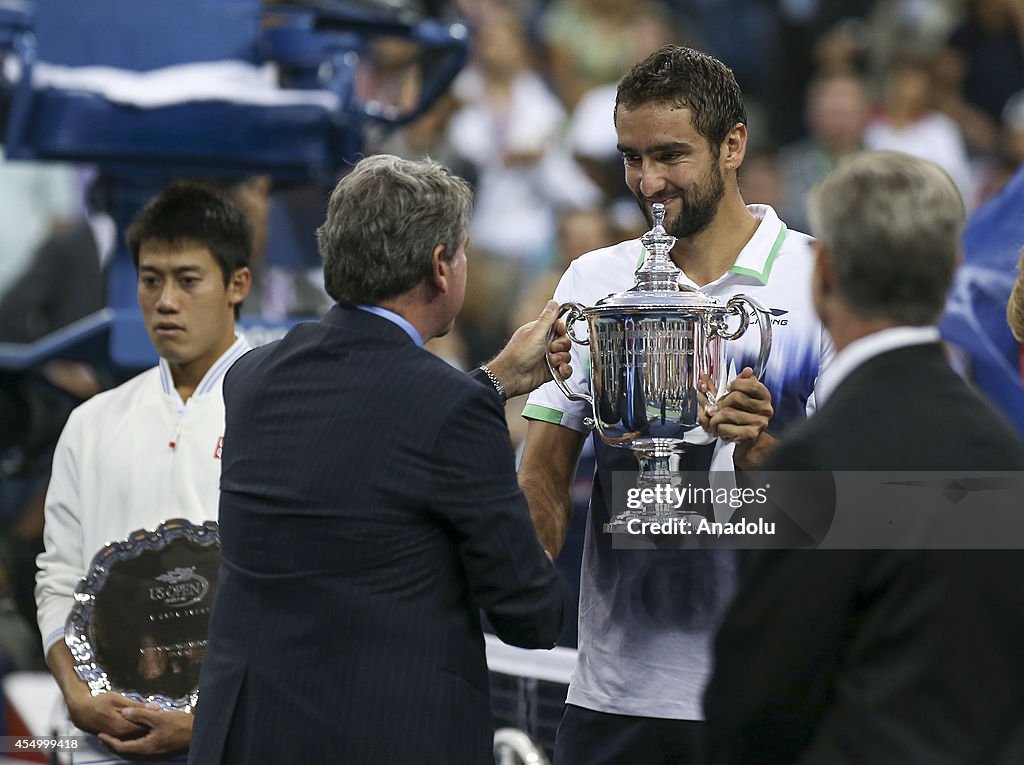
(545,476)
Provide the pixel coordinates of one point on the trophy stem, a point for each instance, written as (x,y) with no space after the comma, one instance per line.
(654,467)
(655,478)
(656,472)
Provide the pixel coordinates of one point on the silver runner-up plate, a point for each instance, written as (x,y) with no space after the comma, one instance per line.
(141,614)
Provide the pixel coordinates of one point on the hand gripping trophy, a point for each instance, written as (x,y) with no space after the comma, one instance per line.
(649,348)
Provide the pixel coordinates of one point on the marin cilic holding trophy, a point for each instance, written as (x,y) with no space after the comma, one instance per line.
(650,348)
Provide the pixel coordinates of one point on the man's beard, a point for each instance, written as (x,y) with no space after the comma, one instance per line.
(699,206)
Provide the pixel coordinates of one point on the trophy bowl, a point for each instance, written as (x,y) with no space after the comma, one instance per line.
(650,348)
(141,614)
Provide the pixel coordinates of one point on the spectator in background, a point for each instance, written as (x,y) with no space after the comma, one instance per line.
(980,128)
(590,132)
(428,137)
(35,195)
(579,231)
(995,171)
(509,127)
(63,281)
(987,52)
(812,34)
(594,42)
(389,74)
(910,124)
(837,112)
(761,179)
(897,28)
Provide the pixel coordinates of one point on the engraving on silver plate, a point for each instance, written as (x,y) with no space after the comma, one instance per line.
(139,623)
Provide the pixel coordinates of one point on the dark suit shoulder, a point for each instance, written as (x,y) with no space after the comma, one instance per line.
(356,350)
(903,410)
(247,363)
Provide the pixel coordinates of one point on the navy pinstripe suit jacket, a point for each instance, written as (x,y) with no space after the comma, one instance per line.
(369,510)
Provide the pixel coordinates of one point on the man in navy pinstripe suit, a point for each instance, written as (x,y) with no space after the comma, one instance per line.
(369,506)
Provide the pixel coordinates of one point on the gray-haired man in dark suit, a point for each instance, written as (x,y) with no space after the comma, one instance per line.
(908,655)
(369,505)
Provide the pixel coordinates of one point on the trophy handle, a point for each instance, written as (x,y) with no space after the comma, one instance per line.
(736,306)
(575,311)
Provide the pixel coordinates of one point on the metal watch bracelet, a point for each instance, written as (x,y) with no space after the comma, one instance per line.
(494,381)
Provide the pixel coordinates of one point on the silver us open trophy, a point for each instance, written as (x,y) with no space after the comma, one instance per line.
(650,346)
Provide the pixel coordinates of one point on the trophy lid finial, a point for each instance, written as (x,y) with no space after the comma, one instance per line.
(658,272)
(658,213)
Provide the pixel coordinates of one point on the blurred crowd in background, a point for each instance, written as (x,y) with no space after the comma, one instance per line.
(529,123)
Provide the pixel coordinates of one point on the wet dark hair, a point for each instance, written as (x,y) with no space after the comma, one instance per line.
(691,79)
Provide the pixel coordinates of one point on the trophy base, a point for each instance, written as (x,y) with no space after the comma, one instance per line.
(619,524)
(653,523)
(656,515)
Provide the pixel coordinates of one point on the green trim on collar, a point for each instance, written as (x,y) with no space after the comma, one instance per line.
(542,413)
(763,275)
(643,257)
